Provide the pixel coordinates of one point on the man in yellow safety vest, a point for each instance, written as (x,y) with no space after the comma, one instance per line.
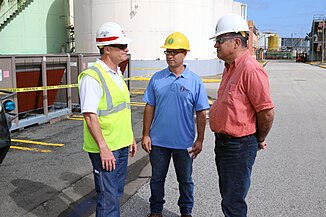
(105,104)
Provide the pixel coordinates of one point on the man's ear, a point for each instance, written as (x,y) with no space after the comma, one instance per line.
(237,42)
(106,49)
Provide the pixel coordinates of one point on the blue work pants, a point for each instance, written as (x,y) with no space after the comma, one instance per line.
(234,159)
(109,185)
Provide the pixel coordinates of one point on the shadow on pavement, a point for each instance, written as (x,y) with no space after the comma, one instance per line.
(29,195)
(141,209)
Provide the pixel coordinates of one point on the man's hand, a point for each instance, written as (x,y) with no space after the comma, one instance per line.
(107,158)
(196,148)
(133,148)
(262,145)
(146,143)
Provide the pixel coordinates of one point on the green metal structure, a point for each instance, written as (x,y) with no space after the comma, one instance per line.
(33,26)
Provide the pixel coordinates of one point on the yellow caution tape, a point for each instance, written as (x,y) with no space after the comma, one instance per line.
(147,79)
(63,86)
(156,69)
(29,89)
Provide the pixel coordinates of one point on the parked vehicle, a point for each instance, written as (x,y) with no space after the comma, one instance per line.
(6,117)
(301,57)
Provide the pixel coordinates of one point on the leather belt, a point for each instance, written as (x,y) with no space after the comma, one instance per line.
(224,136)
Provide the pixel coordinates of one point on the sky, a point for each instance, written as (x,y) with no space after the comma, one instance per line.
(285,17)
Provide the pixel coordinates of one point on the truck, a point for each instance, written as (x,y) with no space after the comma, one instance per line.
(7,106)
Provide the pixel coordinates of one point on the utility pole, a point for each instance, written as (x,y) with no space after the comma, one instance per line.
(323,42)
(292,44)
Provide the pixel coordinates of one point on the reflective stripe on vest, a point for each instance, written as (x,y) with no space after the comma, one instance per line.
(111,109)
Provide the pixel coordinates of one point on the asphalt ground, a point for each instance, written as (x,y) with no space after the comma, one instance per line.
(46,172)
(288,178)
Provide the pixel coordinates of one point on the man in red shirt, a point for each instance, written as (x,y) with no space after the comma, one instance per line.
(242,115)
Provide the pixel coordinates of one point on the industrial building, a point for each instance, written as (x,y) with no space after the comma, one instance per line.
(59,26)
(45,44)
(272,46)
(317,38)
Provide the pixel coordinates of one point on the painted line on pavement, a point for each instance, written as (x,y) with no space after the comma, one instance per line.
(29,149)
(37,143)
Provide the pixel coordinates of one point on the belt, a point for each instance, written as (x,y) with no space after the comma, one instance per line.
(224,136)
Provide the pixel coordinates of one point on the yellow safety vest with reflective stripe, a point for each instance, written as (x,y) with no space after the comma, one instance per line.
(113,112)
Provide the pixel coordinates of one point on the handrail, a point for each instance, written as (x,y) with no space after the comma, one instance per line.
(12,10)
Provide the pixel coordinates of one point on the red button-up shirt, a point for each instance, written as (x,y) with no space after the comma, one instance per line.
(244,91)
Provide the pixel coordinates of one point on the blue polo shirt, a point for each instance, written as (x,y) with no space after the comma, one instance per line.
(176,99)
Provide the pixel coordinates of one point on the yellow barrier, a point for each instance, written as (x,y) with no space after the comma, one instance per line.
(137,79)
(64,86)
(29,89)
(211,80)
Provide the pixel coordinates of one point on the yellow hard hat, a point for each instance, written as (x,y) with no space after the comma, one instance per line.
(176,40)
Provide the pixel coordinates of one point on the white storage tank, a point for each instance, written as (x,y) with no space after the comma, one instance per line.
(149,22)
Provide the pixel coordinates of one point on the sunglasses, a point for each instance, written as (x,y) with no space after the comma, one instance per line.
(222,40)
(120,46)
(173,52)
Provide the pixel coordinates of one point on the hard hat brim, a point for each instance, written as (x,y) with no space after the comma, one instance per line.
(121,40)
(174,48)
(221,33)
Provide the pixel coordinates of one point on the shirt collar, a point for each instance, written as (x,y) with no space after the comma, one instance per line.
(241,58)
(185,73)
(238,60)
(107,68)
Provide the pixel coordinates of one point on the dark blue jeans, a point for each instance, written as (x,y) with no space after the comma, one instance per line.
(160,160)
(109,185)
(234,159)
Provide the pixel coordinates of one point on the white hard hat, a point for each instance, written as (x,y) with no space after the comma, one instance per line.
(111,33)
(230,23)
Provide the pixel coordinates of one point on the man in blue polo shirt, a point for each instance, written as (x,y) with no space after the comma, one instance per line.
(172,98)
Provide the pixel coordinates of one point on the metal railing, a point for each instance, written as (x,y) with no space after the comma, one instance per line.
(46,85)
(9,9)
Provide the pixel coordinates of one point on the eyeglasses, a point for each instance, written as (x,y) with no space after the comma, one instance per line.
(120,46)
(222,40)
(173,52)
